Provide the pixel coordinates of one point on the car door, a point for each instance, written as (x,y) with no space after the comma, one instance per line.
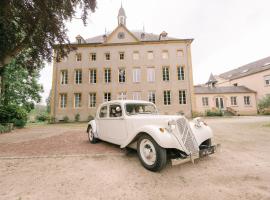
(115,128)
(102,121)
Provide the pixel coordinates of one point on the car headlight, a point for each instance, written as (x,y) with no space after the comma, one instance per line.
(172,125)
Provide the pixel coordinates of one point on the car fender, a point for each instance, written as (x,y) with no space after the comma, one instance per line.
(201,133)
(164,139)
(93,124)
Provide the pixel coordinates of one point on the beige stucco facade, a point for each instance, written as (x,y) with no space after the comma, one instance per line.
(255,82)
(128,45)
(240,108)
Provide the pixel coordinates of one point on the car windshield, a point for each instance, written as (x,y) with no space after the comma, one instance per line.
(140,108)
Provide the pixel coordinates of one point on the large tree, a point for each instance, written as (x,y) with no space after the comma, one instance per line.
(37,25)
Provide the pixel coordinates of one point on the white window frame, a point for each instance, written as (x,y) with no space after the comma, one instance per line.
(122,76)
(121,55)
(93,76)
(247,100)
(136,74)
(167,97)
(151,76)
(180,73)
(233,100)
(63,100)
(267,80)
(107,75)
(77,100)
(107,96)
(152,96)
(107,56)
(182,97)
(122,96)
(205,101)
(92,99)
(64,77)
(78,76)
(93,56)
(165,73)
(78,57)
(136,95)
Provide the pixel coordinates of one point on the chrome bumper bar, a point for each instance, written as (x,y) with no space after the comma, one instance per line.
(202,153)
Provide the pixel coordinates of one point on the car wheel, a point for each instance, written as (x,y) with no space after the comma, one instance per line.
(152,156)
(91,136)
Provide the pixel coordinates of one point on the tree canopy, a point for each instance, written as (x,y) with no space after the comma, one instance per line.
(37,25)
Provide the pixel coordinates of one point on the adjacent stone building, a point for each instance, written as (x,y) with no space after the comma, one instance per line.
(124,64)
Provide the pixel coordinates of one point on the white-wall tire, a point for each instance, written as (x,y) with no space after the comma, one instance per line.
(91,137)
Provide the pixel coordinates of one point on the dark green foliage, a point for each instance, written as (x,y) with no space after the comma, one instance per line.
(51,120)
(212,113)
(264,105)
(77,117)
(42,117)
(4,128)
(13,114)
(37,25)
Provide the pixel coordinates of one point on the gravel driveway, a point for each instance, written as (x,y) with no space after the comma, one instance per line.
(57,162)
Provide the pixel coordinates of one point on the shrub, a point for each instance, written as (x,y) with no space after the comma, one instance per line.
(90,117)
(77,117)
(264,105)
(65,119)
(13,114)
(212,113)
(197,114)
(42,117)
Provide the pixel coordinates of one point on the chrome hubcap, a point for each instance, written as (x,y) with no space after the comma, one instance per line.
(148,152)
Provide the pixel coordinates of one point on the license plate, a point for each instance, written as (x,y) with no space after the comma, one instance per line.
(207,151)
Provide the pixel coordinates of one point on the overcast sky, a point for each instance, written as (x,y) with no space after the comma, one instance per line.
(227,33)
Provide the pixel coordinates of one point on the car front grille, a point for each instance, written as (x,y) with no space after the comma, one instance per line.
(186,136)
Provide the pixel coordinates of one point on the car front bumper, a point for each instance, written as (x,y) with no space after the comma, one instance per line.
(202,153)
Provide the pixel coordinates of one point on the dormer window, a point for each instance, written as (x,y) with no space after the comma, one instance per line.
(79,40)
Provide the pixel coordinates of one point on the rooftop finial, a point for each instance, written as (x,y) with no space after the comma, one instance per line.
(121,16)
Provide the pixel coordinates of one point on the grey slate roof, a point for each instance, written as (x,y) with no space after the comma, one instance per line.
(121,12)
(222,90)
(137,34)
(251,68)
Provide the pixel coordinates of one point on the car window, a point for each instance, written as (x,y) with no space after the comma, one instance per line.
(103,112)
(133,109)
(115,111)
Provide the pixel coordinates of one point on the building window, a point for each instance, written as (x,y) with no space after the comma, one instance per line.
(182,97)
(165,74)
(79,40)
(122,76)
(92,100)
(247,100)
(107,56)
(93,76)
(136,96)
(165,54)
(64,77)
(151,74)
(63,100)
(122,96)
(107,96)
(136,55)
(233,101)
(79,57)
(150,55)
(93,56)
(121,55)
(205,101)
(136,75)
(180,53)
(167,97)
(152,96)
(235,84)
(77,100)
(107,75)
(180,73)
(267,80)
(78,76)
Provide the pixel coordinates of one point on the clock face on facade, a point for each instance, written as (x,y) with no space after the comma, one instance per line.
(121,35)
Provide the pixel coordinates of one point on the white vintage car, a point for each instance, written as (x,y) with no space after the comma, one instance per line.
(157,138)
